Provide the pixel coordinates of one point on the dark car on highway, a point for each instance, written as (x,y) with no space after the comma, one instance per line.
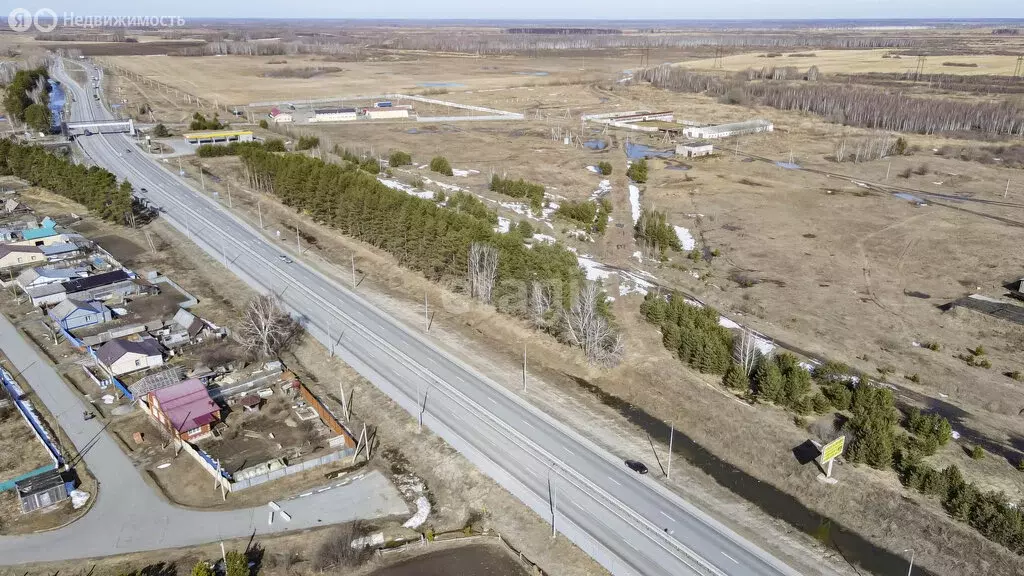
(636,466)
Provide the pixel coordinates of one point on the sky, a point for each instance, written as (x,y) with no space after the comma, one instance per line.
(533,9)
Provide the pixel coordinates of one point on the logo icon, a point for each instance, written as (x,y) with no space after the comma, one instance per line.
(19,20)
(46,20)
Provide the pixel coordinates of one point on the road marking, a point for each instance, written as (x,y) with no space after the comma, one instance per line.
(459,378)
(529,425)
(630,544)
(493,401)
(729,557)
(666,516)
(569,451)
(614,480)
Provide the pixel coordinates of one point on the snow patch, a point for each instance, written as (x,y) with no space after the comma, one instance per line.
(594,169)
(639,256)
(634,202)
(685,238)
(422,511)
(595,270)
(544,238)
(726,323)
(503,225)
(463,173)
(633,284)
(603,189)
(396,185)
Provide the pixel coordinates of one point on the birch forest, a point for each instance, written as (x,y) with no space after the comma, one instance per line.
(864,107)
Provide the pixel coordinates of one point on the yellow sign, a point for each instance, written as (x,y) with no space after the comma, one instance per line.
(833,449)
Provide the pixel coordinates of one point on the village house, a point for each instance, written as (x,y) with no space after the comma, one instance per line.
(43,235)
(123,356)
(185,409)
(16,256)
(71,314)
(34,277)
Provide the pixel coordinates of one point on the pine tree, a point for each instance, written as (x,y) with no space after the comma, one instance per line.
(736,378)
(670,336)
(768,382)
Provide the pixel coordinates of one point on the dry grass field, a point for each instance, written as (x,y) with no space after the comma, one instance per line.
(859,61)
(241,79)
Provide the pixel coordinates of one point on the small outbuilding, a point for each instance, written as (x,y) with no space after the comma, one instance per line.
(695,149)
(42,491)
(334,115)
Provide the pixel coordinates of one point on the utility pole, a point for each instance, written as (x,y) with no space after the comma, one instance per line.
(298,240)
(230,204)
(353,270)
(524,367)
(1007,191)
(554,505)
(344,400)
(259,208)
(202,178)
(671,436)
(223,252)
(888,169)
(426,314)
(188,225)
(329,338)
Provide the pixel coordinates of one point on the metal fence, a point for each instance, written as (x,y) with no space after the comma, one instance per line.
(34,422)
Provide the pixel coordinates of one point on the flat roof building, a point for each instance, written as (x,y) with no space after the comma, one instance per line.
(695,149)
(731,129)
(218,136)
(334,115)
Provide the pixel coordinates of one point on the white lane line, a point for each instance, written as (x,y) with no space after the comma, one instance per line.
(729,557)
(493,401)
(666,516)
(459,378)
(529,425)
(614,480)
(569,451)
(532,473)
(630,544)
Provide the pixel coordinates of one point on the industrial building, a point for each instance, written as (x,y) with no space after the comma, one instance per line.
(218,136)
(386,112)
(333,115)
(695,149)
(644,117)
(726,130)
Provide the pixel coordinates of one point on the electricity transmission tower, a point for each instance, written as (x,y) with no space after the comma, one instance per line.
(1020,67)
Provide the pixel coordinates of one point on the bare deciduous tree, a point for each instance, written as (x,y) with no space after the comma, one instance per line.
(483,269)
(586,327)
(266,328)
(540,303)
(744,350)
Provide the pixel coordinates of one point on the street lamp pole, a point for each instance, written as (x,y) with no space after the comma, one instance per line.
(912,553)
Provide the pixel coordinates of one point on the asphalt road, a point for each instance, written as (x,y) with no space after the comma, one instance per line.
(128,515)
(630,524)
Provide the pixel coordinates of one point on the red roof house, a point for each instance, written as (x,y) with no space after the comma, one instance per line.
(185,409)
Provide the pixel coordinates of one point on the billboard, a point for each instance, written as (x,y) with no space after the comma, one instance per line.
(833,449)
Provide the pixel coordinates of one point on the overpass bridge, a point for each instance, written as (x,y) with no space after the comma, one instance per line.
(70,129)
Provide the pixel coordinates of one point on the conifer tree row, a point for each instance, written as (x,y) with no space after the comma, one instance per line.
(93,187)
(423,235)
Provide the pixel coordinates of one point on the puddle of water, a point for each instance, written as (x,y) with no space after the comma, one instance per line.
(412,131)
(440,85)
(533,73)
(596,144)
(788,165)
(855,549)
(56,103)
(638,151)
(909,198)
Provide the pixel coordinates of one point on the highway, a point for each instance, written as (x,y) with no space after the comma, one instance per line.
(630,524)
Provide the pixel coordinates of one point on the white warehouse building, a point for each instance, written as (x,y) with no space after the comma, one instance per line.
(726,130)
(333,115)
(381,113)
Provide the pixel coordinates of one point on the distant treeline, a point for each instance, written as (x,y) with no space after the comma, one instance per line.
(92,187)
(563,31)
(854,106)
(968,83)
